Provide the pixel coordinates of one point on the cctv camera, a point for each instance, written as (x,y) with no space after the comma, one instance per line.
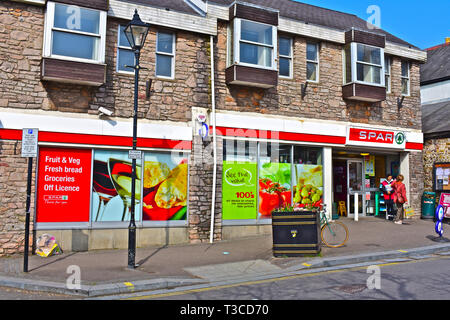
(105,111)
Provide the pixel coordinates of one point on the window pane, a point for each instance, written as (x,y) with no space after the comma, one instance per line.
(405,86)
(348,64)
(76,18)
(165,42)
(369,74)
(163,65)
(405,69)
(388,83)
(254,54)
(256,32)
(311,52)
(369,55)
(311,71)
(123,41)
(285,67)
(125,57)
(285,47)
(74,45)
(387,65)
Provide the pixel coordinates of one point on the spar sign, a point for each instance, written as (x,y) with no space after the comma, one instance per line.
(376,137)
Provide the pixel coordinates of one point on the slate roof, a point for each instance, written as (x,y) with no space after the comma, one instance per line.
(435,118)
(175,5)
(437,67)
(318,16)
(288,9)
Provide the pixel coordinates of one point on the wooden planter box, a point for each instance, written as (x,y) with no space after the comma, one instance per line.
(295,234)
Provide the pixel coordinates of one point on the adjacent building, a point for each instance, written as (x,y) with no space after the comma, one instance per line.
(435,93)
(244,107)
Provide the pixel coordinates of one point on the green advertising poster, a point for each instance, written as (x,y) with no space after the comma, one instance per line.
(239,195)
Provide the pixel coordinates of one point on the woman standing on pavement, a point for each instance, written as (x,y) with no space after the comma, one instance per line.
(400,198)
(387,187)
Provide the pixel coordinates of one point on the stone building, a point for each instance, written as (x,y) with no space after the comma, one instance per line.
(435,93)
(273,103)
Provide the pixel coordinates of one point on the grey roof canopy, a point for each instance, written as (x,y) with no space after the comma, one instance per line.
(437,67)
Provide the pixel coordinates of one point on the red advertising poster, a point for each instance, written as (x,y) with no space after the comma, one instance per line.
(445,202)
(64,185)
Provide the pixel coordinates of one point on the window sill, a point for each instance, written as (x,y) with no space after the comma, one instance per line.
(238,74)
(68,71)
(363,92)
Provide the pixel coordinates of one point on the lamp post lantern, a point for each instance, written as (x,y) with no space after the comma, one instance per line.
(136,32)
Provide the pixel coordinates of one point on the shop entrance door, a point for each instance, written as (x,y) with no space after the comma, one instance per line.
(355,194)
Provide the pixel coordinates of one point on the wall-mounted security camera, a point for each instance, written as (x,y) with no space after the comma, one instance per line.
(104,111)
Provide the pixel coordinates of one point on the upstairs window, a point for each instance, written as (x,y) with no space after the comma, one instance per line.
(364,64)
(165,55)
(254,44)
(312,62)
(387,73)
(74,33)
(125,55)
(405,78)
(285,47)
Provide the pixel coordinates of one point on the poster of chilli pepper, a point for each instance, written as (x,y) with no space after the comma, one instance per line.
(165,186)
(308,189)
(274,188)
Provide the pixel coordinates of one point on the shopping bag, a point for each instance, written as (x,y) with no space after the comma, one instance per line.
(409,211)
(46,246)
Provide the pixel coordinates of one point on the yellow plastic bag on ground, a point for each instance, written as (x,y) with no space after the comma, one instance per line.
(46,246)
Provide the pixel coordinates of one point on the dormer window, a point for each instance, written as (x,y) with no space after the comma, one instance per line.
(252,46)
(255,44)
(364,66)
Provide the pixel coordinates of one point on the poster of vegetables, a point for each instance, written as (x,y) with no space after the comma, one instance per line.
(239,200)
(165,187)
(274,188)
(308,190)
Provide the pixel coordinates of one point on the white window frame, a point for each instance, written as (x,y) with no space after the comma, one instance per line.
(48,35)
(119,47)
(408,78)
(387,73)
(290,57)
(237,41)
(354,63)
(317,62)
(172,55)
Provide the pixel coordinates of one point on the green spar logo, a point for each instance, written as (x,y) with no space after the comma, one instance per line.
(400,138)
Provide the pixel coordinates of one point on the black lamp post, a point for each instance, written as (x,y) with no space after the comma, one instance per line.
(136,33)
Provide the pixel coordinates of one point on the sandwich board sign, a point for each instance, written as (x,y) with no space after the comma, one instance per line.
(30,143)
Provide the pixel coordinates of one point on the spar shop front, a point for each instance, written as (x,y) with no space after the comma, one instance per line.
(83,180)
(272,162)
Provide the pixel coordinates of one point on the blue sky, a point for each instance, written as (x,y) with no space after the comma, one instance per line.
(421,23)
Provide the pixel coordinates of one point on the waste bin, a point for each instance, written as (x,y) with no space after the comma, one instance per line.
(334,211)
(428,205)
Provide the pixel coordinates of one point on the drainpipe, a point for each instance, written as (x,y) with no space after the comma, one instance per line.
(213,118)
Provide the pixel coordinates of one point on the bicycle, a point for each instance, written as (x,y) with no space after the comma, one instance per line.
(334,234)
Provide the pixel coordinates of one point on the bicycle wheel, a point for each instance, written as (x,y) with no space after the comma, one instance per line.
(334,234)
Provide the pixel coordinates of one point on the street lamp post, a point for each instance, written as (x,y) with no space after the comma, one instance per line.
(136,33)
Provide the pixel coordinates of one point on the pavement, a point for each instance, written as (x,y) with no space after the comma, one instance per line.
(105,272)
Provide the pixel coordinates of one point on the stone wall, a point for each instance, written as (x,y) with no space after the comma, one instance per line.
(13,186)
(416,184)
(435,150)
